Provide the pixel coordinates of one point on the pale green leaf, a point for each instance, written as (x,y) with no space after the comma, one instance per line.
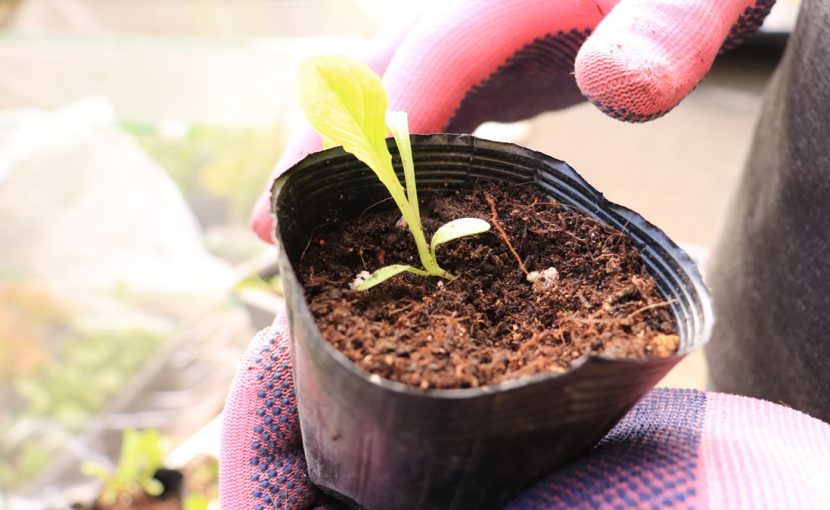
(457,228)
(328,144)
(344,101)
(398,124)
(129,461)
(384,273)
(196,502)
(95,470)
(152,487)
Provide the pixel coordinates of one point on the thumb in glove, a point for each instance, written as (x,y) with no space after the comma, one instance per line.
(262,465)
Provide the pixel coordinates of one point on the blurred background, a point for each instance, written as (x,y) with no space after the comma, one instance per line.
(134,140)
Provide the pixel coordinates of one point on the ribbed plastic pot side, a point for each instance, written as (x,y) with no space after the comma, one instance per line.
(381,444)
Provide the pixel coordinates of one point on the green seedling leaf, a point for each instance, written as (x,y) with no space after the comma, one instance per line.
(328,144)
(152,486)
(344,100)
(196,502)
(398,124)
(141,456)
(95,470)
(384,273)
(457,228)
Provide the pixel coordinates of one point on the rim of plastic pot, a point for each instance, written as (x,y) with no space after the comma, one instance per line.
(572,191)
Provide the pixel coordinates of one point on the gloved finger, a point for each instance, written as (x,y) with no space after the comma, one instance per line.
(474,61)
(376,53)
(647,55)
(261,463)
(489,60)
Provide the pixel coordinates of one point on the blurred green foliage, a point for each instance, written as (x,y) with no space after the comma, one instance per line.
(229,165)
(56,373)
(141,456)
(91,367)
(201,480)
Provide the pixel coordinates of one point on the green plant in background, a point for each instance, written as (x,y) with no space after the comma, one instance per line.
(226,165)
(255,282)
(345,102)
(91,367)
(141,456)
(31,457)
(201,480)
(196,502)
(66,389)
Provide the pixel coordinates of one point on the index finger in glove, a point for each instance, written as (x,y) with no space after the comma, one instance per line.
(647,55)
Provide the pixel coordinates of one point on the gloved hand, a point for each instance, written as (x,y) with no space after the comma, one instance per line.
(674,449)
(497,60)
(450,71)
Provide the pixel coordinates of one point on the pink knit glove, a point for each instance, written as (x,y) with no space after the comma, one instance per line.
(505,61)
(674,449)
(501,60)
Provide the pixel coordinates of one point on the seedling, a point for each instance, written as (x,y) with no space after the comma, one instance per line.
(344,100)
(141,456)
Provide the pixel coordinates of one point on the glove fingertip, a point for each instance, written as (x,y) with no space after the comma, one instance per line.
(647,55)
(627,88)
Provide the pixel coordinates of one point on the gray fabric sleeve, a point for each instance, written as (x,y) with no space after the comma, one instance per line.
(770,273)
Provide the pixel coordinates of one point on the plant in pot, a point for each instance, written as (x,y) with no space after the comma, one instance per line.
(456,382)
(138,480)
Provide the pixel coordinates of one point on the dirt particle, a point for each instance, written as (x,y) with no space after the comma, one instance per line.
(664,345)
(543,280)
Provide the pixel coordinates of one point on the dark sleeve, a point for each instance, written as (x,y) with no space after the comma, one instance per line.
(770,273)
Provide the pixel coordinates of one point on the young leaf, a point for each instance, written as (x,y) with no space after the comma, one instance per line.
(344,101)
(151,486)
(196,502)
(398,124)
(457,228)
(384,273)
(327,144)
(95,470)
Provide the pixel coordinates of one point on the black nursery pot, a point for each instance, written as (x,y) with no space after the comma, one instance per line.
(382,444)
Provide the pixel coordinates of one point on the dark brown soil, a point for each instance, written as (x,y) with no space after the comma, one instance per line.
(490,324)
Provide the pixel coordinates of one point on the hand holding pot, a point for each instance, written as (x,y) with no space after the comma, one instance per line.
(495,60)
(675,448)
(451,71)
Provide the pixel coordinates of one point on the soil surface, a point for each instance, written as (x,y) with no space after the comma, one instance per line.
(490,324)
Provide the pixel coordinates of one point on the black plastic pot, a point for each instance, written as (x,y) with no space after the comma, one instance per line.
(382,444)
